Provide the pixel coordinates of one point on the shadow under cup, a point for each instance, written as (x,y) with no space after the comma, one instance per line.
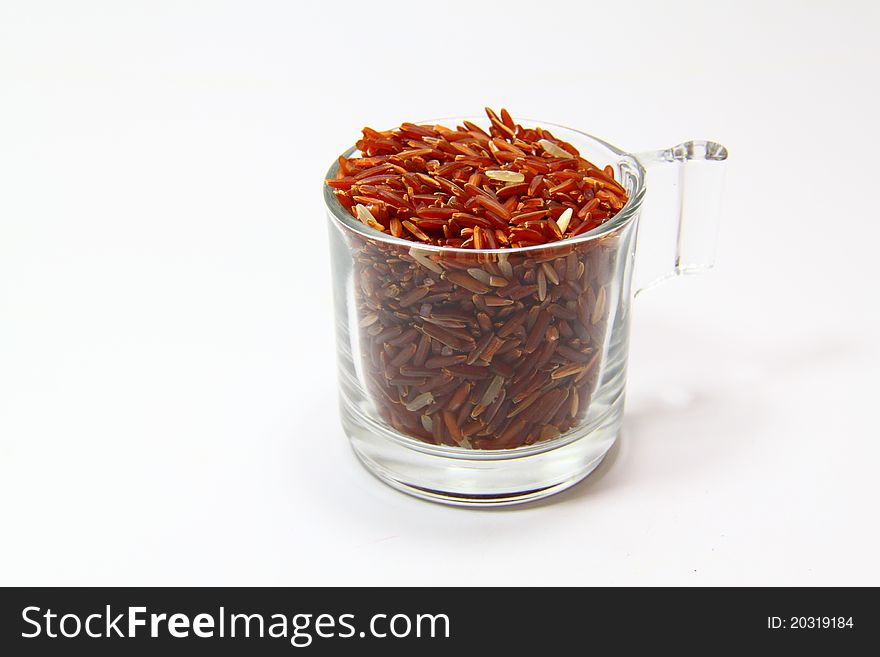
(485,377)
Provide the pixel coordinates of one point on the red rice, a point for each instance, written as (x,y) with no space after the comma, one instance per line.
(477,350)
(418,172)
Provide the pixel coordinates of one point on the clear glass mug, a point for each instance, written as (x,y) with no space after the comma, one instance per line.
(494,377)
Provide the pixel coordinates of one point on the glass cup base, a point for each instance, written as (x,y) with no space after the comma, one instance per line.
(480,478)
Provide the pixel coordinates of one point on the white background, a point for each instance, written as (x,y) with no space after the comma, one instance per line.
(167,385)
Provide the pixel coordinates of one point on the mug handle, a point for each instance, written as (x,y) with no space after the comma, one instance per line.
(678,226)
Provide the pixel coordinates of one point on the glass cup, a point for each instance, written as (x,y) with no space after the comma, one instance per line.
(494,377)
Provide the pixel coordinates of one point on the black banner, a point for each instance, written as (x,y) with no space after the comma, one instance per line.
(117,621)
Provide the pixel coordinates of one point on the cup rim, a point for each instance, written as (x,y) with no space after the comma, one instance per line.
(627,213)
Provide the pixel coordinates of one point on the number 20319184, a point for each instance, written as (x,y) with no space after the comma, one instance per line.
(810,623)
